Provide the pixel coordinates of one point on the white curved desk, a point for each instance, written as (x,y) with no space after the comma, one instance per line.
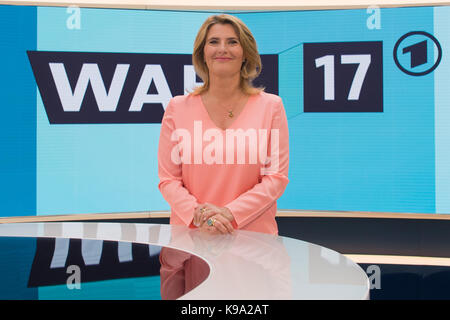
(244,265)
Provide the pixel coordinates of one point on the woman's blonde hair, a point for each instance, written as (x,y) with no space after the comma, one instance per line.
(251,67)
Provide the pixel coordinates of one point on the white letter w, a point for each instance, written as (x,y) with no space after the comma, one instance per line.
(106,101)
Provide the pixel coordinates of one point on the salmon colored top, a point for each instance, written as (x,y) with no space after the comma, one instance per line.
(243,168)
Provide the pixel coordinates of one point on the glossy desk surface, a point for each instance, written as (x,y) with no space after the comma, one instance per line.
(244,265)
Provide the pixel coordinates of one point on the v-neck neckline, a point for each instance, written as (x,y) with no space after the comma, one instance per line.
(203,107)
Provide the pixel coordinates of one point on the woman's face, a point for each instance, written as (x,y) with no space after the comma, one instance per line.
(223,53)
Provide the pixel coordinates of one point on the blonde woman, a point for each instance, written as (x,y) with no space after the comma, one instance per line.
(223,153)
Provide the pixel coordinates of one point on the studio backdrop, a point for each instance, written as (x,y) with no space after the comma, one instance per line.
(83,92)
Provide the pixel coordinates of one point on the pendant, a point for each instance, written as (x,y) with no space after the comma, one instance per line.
(230,114)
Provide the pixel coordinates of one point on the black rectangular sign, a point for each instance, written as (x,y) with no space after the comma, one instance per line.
(93,87)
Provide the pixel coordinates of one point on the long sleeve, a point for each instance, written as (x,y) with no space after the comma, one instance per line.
(252,203)
(171,184)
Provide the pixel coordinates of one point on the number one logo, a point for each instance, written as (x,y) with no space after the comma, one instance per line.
(418,53)
(327,62)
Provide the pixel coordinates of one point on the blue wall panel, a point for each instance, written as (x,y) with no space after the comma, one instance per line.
(18,112)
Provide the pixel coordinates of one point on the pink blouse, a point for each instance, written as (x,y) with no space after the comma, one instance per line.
(243,168)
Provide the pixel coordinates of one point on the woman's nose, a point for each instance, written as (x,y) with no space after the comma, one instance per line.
(222,46)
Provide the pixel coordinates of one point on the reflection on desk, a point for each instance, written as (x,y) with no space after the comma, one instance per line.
(244,265)
(94,260)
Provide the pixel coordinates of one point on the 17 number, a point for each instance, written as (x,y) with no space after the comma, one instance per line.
(363,61)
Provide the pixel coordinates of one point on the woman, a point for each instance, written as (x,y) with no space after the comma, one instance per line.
(223,152)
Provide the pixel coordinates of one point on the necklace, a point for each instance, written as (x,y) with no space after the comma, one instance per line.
(231,107)
(235,103)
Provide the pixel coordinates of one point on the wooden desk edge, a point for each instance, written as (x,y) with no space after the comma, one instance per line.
(280,213)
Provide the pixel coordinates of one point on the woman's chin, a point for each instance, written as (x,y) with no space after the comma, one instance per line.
(224,73)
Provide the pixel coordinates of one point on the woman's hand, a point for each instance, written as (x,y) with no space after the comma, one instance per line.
(219,218)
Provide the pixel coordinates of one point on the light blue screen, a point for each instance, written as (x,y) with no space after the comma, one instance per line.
(390,161)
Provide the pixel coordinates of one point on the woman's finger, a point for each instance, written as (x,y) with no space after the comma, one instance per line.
(196,219)
(219,226)
(220,223)
(198,215)
(224,222)
(205,227)
(209,229)
(209,212)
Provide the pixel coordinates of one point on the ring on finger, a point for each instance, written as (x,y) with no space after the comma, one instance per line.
(211,222)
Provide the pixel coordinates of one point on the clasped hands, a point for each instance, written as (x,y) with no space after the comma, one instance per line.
(213,219)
